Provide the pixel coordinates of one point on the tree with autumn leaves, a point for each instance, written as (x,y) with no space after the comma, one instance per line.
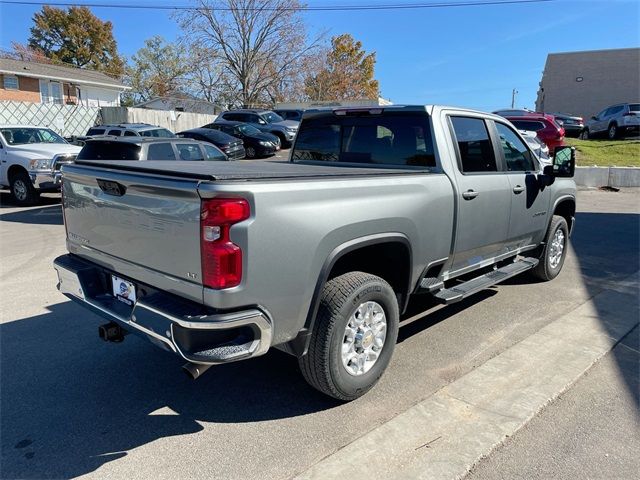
(347,73)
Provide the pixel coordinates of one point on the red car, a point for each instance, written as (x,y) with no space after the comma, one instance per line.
(544,125)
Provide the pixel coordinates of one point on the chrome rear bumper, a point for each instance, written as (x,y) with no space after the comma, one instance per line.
(174,324)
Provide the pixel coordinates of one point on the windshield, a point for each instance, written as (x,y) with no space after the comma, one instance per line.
(157,132)
(22,136)
(271,117)
(248,129)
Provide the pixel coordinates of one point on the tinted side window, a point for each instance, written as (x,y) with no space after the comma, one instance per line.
(160,151)
(214,154)
(189,151)
(516,154)
(476,151)
(95,131)
(117,133)
(129,133)
(376,139)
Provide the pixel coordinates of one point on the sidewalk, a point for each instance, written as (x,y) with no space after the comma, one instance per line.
(591,431)
(443,436)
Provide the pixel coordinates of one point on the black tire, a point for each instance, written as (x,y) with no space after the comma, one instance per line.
(250,152)
(322,366)
(22,191)
(584,134)
(546,270)
(283,140)
(612,132)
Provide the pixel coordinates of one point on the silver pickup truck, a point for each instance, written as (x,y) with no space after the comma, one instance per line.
(318,256)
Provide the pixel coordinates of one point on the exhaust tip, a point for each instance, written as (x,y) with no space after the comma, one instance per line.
(194,370)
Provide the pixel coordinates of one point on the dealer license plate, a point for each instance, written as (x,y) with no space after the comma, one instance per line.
(123,290)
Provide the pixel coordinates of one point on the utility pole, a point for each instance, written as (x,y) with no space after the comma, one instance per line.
(514,92)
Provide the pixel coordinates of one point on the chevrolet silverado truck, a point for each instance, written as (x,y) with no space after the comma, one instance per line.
(31,159)
(318,256)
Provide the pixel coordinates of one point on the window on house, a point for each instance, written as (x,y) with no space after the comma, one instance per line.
(10,82)
(51,92)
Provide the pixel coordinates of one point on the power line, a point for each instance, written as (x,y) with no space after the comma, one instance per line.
(317,8)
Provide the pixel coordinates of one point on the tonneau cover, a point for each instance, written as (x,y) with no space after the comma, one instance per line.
(244,170)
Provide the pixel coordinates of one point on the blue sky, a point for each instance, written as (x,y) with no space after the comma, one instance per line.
(467,56)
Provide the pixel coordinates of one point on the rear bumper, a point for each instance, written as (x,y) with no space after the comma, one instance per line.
(169,322)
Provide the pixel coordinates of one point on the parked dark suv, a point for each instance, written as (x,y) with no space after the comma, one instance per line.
(265,121)
(138,148)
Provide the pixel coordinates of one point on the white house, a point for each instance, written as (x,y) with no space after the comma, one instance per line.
(47,83)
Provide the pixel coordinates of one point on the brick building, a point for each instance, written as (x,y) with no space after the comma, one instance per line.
(583,83)
(44,83)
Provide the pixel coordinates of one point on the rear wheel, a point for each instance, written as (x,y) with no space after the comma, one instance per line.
(554,251)
(353,336)
(22,189)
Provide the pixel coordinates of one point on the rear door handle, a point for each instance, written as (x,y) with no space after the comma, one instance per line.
(518,189)
(470,194)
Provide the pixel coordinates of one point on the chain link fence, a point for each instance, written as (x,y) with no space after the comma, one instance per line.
(67,120)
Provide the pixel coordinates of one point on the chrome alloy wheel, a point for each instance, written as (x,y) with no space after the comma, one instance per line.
(556,248)
(364,338)
(20,190)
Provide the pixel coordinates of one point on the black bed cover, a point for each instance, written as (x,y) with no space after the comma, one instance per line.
(244,170)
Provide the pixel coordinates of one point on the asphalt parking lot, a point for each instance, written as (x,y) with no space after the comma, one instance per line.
(72,405)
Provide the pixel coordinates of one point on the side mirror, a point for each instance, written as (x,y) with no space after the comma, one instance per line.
(564,162)
(261,121)
(593,117)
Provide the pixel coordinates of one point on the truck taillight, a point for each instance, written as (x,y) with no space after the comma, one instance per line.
(221,258)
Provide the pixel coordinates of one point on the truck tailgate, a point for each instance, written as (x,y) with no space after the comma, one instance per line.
(143,227)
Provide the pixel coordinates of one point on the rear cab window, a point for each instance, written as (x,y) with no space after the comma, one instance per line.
(531,125)
(475,150)
(388,138)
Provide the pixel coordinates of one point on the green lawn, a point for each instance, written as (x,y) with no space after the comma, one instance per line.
(604,153)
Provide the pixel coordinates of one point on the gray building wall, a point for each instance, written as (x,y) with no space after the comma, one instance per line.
(583,83)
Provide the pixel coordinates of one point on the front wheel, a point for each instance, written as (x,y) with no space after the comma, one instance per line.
(22,189)
(353,336)
(250,152)
(554,251)
(612,133)
(584,134)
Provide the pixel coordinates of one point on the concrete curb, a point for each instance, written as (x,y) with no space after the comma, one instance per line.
(443,436)
(607,176)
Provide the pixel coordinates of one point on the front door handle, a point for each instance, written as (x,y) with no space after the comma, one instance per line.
(470,194)
(518,189)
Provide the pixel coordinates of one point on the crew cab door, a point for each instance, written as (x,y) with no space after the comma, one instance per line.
(483,196)
(529,194)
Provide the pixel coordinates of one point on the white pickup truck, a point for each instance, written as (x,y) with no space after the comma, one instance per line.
(31,158)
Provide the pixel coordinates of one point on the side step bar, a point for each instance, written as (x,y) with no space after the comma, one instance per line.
(463,290)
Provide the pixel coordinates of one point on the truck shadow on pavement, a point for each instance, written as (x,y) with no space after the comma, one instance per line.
(71,403)
(51,215)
